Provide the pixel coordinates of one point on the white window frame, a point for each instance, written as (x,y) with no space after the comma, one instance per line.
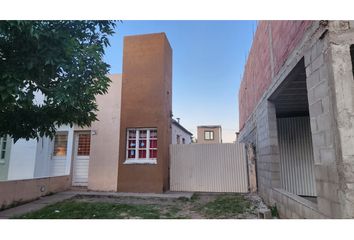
(138,160)
(209,135)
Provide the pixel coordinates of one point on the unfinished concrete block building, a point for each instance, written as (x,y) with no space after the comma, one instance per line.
(296,103)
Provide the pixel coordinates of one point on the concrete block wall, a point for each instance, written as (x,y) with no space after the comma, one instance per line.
(291,206)
(325,49)
(317,64)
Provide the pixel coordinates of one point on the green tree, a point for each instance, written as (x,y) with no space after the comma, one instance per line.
(59,60)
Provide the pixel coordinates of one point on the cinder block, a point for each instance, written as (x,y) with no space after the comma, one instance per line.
(321,172)
(323,122)
(336,210)
(321,90)
(323,73)
(318,139)
(324,206)
(327,155)
(332,173)
(313,122)
(316,109)
(264,214)
(326,104)
(313,79)
(317,63)
(331,191)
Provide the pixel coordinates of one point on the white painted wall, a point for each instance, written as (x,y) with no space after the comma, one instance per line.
(32,159)
(178,131)
(22,159)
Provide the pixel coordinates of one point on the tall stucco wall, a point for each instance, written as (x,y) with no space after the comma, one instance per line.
(146,103)
(103,167)
(272,44)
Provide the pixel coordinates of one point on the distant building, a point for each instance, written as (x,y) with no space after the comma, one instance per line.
(209,134)
(180,135)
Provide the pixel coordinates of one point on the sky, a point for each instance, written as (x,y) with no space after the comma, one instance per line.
(208,63)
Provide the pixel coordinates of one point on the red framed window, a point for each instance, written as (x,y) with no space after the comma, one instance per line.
(141,144)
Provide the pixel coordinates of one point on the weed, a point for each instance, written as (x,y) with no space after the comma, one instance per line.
(274,211)
(85,210)
(226,206)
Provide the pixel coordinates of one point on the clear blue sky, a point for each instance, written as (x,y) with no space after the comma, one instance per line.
(208,62)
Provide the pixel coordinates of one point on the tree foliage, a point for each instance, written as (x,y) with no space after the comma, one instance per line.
(59,61)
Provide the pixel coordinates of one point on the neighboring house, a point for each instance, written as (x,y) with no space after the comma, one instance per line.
(132,136)
(71,149)
(209,134)
(180,135)
(297,114)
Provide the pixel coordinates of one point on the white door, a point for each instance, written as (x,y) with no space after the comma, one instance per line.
(81,158)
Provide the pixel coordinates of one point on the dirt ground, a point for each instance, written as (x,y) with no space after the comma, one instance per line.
(200,206)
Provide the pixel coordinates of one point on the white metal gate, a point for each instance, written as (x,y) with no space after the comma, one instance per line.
(296,156)
(208,168)
(81,159)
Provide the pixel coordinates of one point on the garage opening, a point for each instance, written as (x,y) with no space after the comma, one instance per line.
(294,135)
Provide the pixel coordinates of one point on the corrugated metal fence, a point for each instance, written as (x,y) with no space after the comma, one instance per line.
(296,156)
(208,168)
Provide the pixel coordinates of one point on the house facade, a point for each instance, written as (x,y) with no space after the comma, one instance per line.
(296,116)
(131,137)
(180,135)
(209,134)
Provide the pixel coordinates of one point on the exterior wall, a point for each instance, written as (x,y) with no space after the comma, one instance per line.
(103,167)
(273,42)
(209,168)
(146,102)
(325,49)
(178,131)
(341,91)
(4,163)
(217,134)
(22,159)
(21,191)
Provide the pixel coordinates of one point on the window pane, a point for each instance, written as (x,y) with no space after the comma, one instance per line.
(142,153)
(84,145)
(153,153)
(131,144)
(131,153)
(132,134)
(2,154)
(206,135)
(60,144)
(142,134)
(153,134)
(153,143)
(142,143)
